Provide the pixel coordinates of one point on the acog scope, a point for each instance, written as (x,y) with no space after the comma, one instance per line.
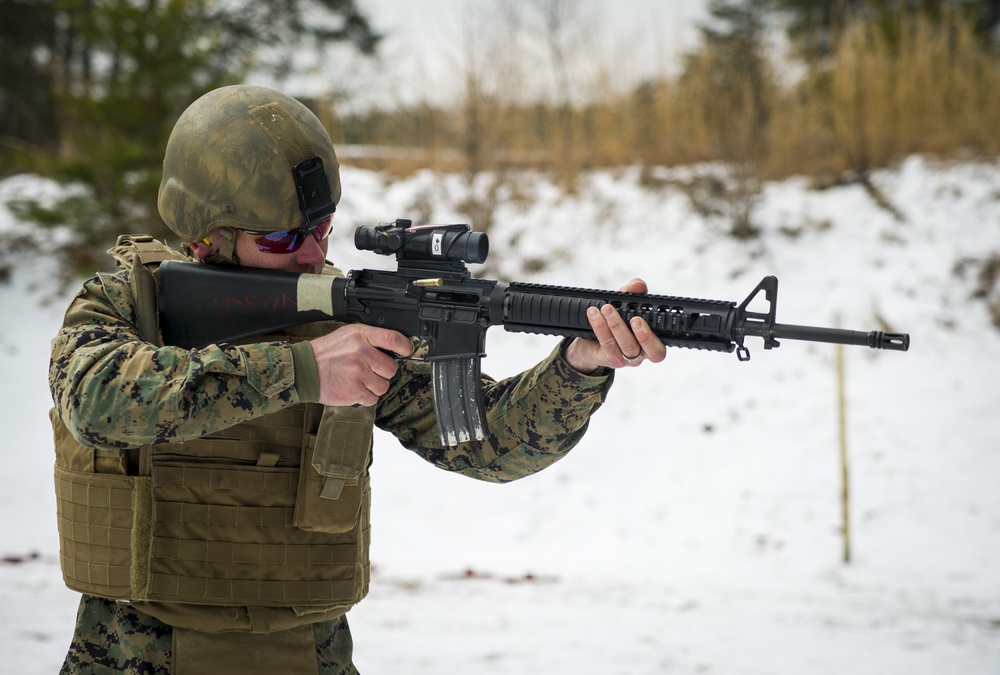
(428,242)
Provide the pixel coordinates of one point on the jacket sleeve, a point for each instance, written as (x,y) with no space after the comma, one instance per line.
(114,390)
(534,418)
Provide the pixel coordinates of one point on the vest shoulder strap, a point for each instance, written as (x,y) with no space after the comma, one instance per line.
(141,255)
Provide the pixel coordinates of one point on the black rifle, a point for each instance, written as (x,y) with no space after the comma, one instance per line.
(433,296)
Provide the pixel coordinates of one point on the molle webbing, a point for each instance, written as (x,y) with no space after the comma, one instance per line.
(225,535)
(214,523)
(223,531)
(95,531)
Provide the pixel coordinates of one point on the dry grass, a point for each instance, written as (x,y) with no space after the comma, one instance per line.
(934,89)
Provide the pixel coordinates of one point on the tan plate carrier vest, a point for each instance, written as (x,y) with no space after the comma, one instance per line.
(261,527)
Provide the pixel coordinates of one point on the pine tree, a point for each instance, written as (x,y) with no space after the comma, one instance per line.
(120,72)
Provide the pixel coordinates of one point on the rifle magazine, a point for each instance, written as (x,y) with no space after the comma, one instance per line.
(459,409)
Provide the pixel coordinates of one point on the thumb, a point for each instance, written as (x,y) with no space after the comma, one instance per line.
(636,286)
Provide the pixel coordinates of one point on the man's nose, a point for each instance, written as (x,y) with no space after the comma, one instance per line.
(311,252)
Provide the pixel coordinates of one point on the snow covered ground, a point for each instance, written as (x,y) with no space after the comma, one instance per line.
(696,529)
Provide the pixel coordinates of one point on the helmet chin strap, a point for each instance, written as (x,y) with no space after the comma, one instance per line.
(226,255)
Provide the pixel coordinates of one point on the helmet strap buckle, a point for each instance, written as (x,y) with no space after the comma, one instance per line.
(226,255)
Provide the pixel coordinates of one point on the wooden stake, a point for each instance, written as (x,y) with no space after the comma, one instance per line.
(845,491)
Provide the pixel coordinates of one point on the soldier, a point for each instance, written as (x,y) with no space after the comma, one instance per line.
(213,504)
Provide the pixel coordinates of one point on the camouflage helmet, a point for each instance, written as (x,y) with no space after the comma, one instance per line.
(239,157)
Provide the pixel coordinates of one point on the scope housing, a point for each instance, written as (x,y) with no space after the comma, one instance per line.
(455,243)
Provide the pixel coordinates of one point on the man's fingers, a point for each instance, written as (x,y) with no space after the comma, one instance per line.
(624,341)
(381,364)
(652,348)
(376,384)
(381,360)
(390,340)
(602,331)
(616,343)
(357,362)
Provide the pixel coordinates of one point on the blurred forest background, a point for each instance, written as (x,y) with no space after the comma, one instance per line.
(89,90)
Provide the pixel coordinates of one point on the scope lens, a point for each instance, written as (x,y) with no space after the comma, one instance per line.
(364,238)
(475,247)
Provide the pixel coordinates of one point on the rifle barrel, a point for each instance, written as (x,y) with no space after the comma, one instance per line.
(875,339)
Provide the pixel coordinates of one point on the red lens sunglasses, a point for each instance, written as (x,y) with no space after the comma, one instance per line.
(290,241)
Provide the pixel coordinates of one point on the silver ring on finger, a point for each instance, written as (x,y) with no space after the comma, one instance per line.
(633,360)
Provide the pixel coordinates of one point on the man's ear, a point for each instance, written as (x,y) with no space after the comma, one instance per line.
(206,247)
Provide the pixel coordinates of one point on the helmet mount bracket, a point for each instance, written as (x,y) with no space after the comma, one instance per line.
(313,189)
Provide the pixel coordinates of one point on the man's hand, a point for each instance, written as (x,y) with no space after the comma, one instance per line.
(352,368)
(618,344)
